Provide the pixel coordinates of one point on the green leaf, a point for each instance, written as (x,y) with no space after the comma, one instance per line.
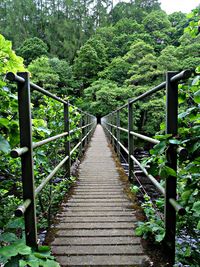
(23,249)
(4,122)
(198,225)
(159,148)
(185,195)
(8,251)
(196,207)
(50,263)
(15,223)
(166,171)
(4,145)
(138,231)
(8,237)
(197,97)
(195,147)
(175,141)
(43,248)
(159,237)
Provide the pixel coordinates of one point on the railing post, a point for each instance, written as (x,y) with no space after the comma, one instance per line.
(130,139)
(81,136)
(67,140)
(170,183)
(118,134)
(113,129)
(25,125)
(88,128)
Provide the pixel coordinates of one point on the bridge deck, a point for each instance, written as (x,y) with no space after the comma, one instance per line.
(96,225)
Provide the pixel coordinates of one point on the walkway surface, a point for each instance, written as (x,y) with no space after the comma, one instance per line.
(96,225)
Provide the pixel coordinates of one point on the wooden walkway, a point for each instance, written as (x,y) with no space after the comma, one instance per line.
(96,225)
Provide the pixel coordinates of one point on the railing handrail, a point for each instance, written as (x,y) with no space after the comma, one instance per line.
(27,208)
(185,74)
(111,124)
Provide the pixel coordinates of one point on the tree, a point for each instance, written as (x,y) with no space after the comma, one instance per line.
(144,71)
(43,74)
(159,27)
(67,84)
(168,61)
(31,49)
(103,96)
(90,60)
(137,51)
(148,5)
(116,71)
(178,21)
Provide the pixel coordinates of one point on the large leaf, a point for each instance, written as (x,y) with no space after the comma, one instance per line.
(197,97)
(196,207)
(8,237)
(4,145)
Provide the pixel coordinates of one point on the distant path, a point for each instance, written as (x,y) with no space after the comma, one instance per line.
(96,224)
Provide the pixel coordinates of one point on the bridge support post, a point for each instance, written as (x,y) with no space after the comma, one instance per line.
(67,140)
(118,133)
(87,128)
(25,125)
(170,183)
(113,129)
(81,136)
(130,140)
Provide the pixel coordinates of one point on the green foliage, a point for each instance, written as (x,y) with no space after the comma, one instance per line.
(103,96)
(90,60)
(154,225)
(187,175)
(31,49)
(43,74)
(19,254)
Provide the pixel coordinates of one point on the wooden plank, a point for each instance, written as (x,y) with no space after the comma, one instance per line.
(96,225)
(103,260)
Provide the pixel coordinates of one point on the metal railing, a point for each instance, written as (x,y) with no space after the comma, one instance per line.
(87,126)
(111,124)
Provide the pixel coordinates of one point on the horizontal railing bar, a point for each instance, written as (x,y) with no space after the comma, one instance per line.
(80,110)
(79,143)
(48,178)
(18,152)
(185,74)
(123,129)
(44,92)
(178,208)
(146,138)
(115,126)
(148,93)
(151,178)
(122,146)
(14,77)
(79,128)
(22,208)
(45,141)
(50,139)
(180,150)
(124,106)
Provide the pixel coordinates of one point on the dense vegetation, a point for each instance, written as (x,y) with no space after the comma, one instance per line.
(98,55)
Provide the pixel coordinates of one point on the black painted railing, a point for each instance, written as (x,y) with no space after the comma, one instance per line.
(86,128)
(111,124)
